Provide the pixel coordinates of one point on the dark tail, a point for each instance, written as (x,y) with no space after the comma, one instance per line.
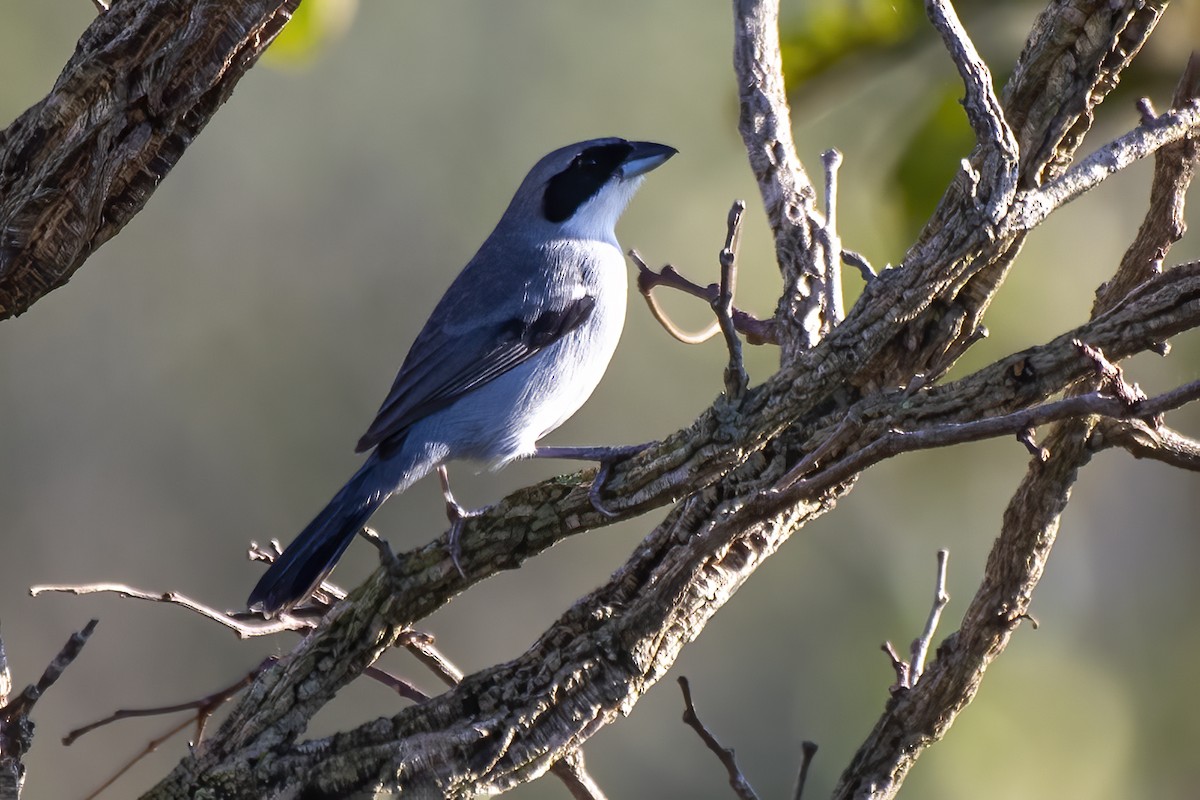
(312,555)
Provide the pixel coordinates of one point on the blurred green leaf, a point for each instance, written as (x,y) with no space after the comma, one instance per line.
(315,25)
(828,32)
(932,155)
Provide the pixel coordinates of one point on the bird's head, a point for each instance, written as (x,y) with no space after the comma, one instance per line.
(580,190)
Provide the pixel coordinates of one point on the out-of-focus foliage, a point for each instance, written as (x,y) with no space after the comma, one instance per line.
(315,25)
(824,34)
(930,157)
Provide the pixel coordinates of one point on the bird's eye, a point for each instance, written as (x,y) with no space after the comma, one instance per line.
(582,178)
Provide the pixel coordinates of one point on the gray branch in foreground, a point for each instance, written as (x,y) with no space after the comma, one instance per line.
(141,85)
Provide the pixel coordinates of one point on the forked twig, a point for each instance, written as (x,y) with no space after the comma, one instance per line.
(737,780)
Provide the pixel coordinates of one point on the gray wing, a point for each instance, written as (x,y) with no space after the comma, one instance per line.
(459,350)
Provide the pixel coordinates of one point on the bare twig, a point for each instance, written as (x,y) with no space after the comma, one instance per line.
(648,280)
(1028,437)
(834,306)
(788,196)
(1163,224)
(421,646)
(859,262)
(741,786)
(838,438)
(16,728)
(571,770)
(808,750)
(756,331)
(736,379)
(5,676)
(899,666)
(243,629)
(397,684)
(1035,205)
(22,704)
(150,747)
(941,598)
(203,706)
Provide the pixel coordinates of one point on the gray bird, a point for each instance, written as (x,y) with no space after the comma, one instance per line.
(513,349)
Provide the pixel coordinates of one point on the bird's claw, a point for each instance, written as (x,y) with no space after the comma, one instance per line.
(613,455)
(458,517)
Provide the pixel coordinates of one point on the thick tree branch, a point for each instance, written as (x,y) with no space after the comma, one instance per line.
(145,78)
(1146,441)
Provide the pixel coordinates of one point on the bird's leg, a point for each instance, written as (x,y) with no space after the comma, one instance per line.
(605,456)
(386,556)
(457,516)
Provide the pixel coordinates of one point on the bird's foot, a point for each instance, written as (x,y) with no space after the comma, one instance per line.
(458,515)
(604,456)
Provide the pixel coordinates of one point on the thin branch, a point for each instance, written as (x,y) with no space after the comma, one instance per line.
(999,150)
(5,676)
(941,599)
(736,379)
(23,703)
(894,441)
(834,306)
(397,684)
(1163,224)
(649,280)
(756,331)
(203,706)
(1034,206)
(151,746)
(1027,437)
(899,666)
(741,786)
(16,728)
(243,629)
(571,770)
(857,260)
(420,644)
(808,751)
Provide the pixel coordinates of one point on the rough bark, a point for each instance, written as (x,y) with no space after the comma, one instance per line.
(145,79)
(757,465)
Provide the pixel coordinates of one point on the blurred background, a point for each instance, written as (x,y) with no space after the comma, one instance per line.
(202,380)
